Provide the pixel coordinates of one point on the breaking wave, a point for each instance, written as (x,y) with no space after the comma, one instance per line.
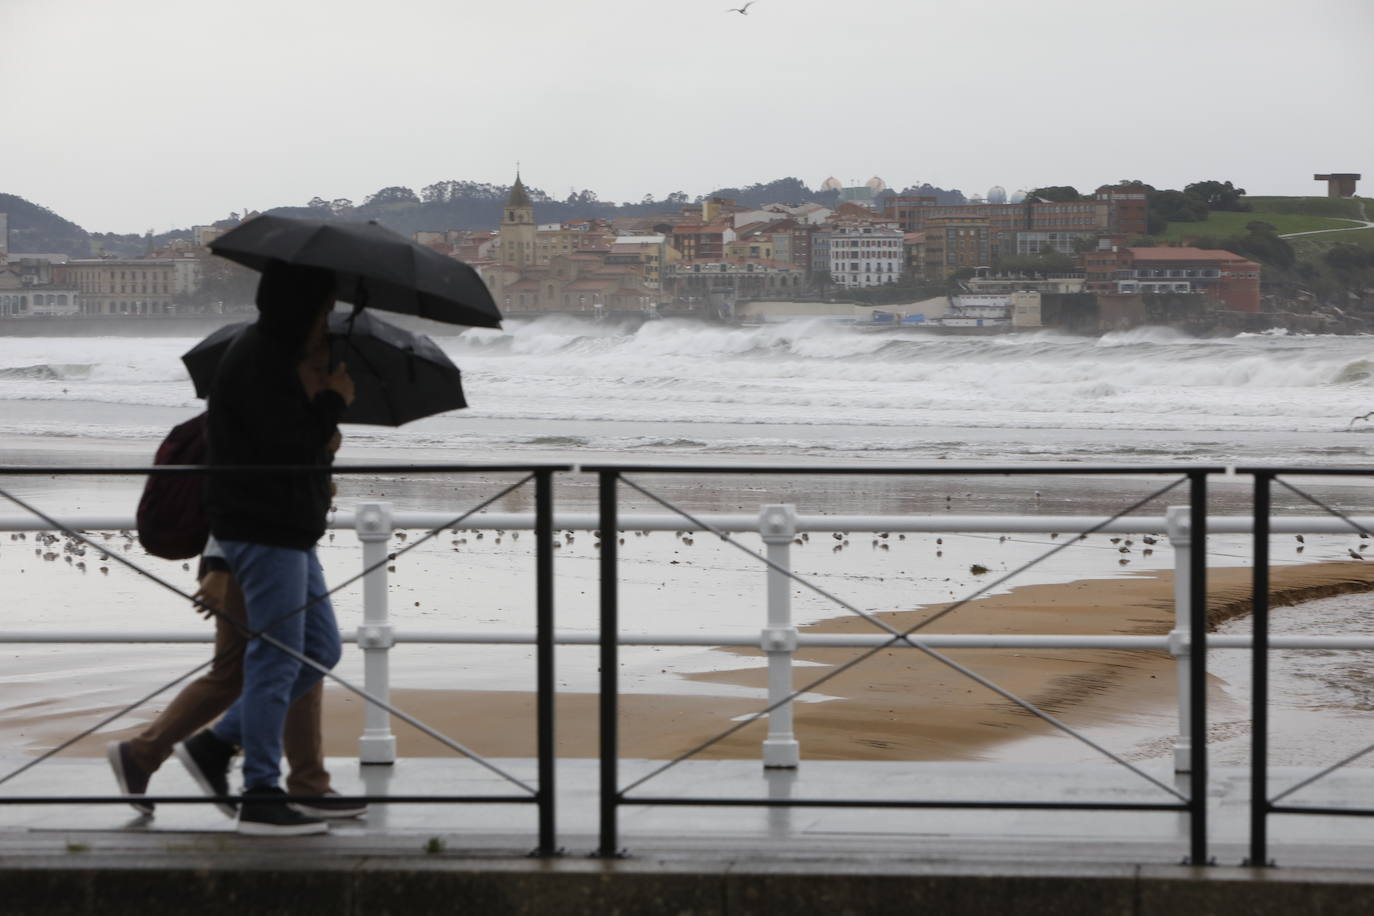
(677,385)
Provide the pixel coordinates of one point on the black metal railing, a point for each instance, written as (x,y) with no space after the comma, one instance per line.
(543,794)
(1261,803)
(613,795)
(612,477)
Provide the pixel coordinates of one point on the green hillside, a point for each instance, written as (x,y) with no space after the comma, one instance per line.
(1286,214)
(38,229)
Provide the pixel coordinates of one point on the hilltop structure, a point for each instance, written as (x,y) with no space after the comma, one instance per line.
(1339,184)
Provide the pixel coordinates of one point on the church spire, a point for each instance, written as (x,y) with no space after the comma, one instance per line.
(518,231)
(518,196)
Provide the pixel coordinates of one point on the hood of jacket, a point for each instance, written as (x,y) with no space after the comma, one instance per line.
(289,301)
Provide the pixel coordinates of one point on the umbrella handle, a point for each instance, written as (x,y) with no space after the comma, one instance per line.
(352,317)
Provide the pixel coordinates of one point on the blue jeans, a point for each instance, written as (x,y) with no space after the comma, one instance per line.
(276,583)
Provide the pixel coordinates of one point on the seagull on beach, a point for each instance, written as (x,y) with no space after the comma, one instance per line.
(744,11)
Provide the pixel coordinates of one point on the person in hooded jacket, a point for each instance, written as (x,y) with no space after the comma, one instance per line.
(268,406)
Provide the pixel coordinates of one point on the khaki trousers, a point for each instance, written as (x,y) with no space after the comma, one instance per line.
(208,696)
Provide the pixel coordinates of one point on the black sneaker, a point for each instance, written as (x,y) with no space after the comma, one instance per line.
(207,758)
(132,779)
(331,806)
(266,813)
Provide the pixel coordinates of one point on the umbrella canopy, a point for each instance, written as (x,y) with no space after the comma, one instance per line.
(398,376)
(373,266)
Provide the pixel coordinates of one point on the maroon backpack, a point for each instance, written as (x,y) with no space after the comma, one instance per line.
(172,521)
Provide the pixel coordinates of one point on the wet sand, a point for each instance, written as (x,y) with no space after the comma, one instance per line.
(896,705)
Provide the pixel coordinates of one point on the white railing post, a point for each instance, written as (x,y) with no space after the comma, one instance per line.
(375,636)
(778,526)
(1181,540)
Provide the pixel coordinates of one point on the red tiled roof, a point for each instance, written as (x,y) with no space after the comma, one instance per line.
(1183,254)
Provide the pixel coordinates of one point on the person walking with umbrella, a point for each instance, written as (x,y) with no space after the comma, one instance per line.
(267,407)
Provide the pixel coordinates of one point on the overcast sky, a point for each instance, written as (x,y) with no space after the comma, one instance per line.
(125,115)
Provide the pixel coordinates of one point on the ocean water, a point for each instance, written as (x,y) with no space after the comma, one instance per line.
(807,390)
(796,393)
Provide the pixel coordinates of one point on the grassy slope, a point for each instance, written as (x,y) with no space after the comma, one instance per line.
(1288,214)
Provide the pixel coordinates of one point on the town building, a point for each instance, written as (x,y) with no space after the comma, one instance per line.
(811,213)
(585,275)
(1027,227)
(792,242)
(27,290)
(517,246)
(651,253)
(952,243)
(913,253)
(820,254)
(1228,278)
(723,281)
(862,255)
(702,241)
(140,286)
(752,243)
(446,242)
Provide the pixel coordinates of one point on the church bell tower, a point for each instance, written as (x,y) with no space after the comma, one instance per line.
(517,228)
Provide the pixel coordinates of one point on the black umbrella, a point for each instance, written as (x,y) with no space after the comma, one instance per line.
(398,376)
(373,266)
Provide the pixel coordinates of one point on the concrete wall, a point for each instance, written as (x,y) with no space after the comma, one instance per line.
(287,882)
(785,311)
(1025,309)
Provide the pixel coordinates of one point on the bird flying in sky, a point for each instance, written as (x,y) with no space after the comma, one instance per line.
(742,10)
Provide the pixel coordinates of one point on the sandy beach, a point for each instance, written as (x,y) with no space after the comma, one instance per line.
(897,705)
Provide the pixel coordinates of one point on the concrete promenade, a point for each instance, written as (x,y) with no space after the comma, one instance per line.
(414,859)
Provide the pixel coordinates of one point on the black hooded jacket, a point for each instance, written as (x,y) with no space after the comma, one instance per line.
(258,414)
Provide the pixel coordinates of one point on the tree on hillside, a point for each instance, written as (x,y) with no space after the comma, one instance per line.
(950,198)
(1177,207)
(37,229)
(1263,244)
(1218,195)
(1347,257)
(391,196)
(1260,243)
(1062,194)
(780,190)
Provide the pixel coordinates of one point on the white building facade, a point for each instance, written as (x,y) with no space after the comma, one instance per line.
(865,255)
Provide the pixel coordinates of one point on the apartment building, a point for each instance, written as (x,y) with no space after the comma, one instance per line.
(1226,277)
(863,256)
